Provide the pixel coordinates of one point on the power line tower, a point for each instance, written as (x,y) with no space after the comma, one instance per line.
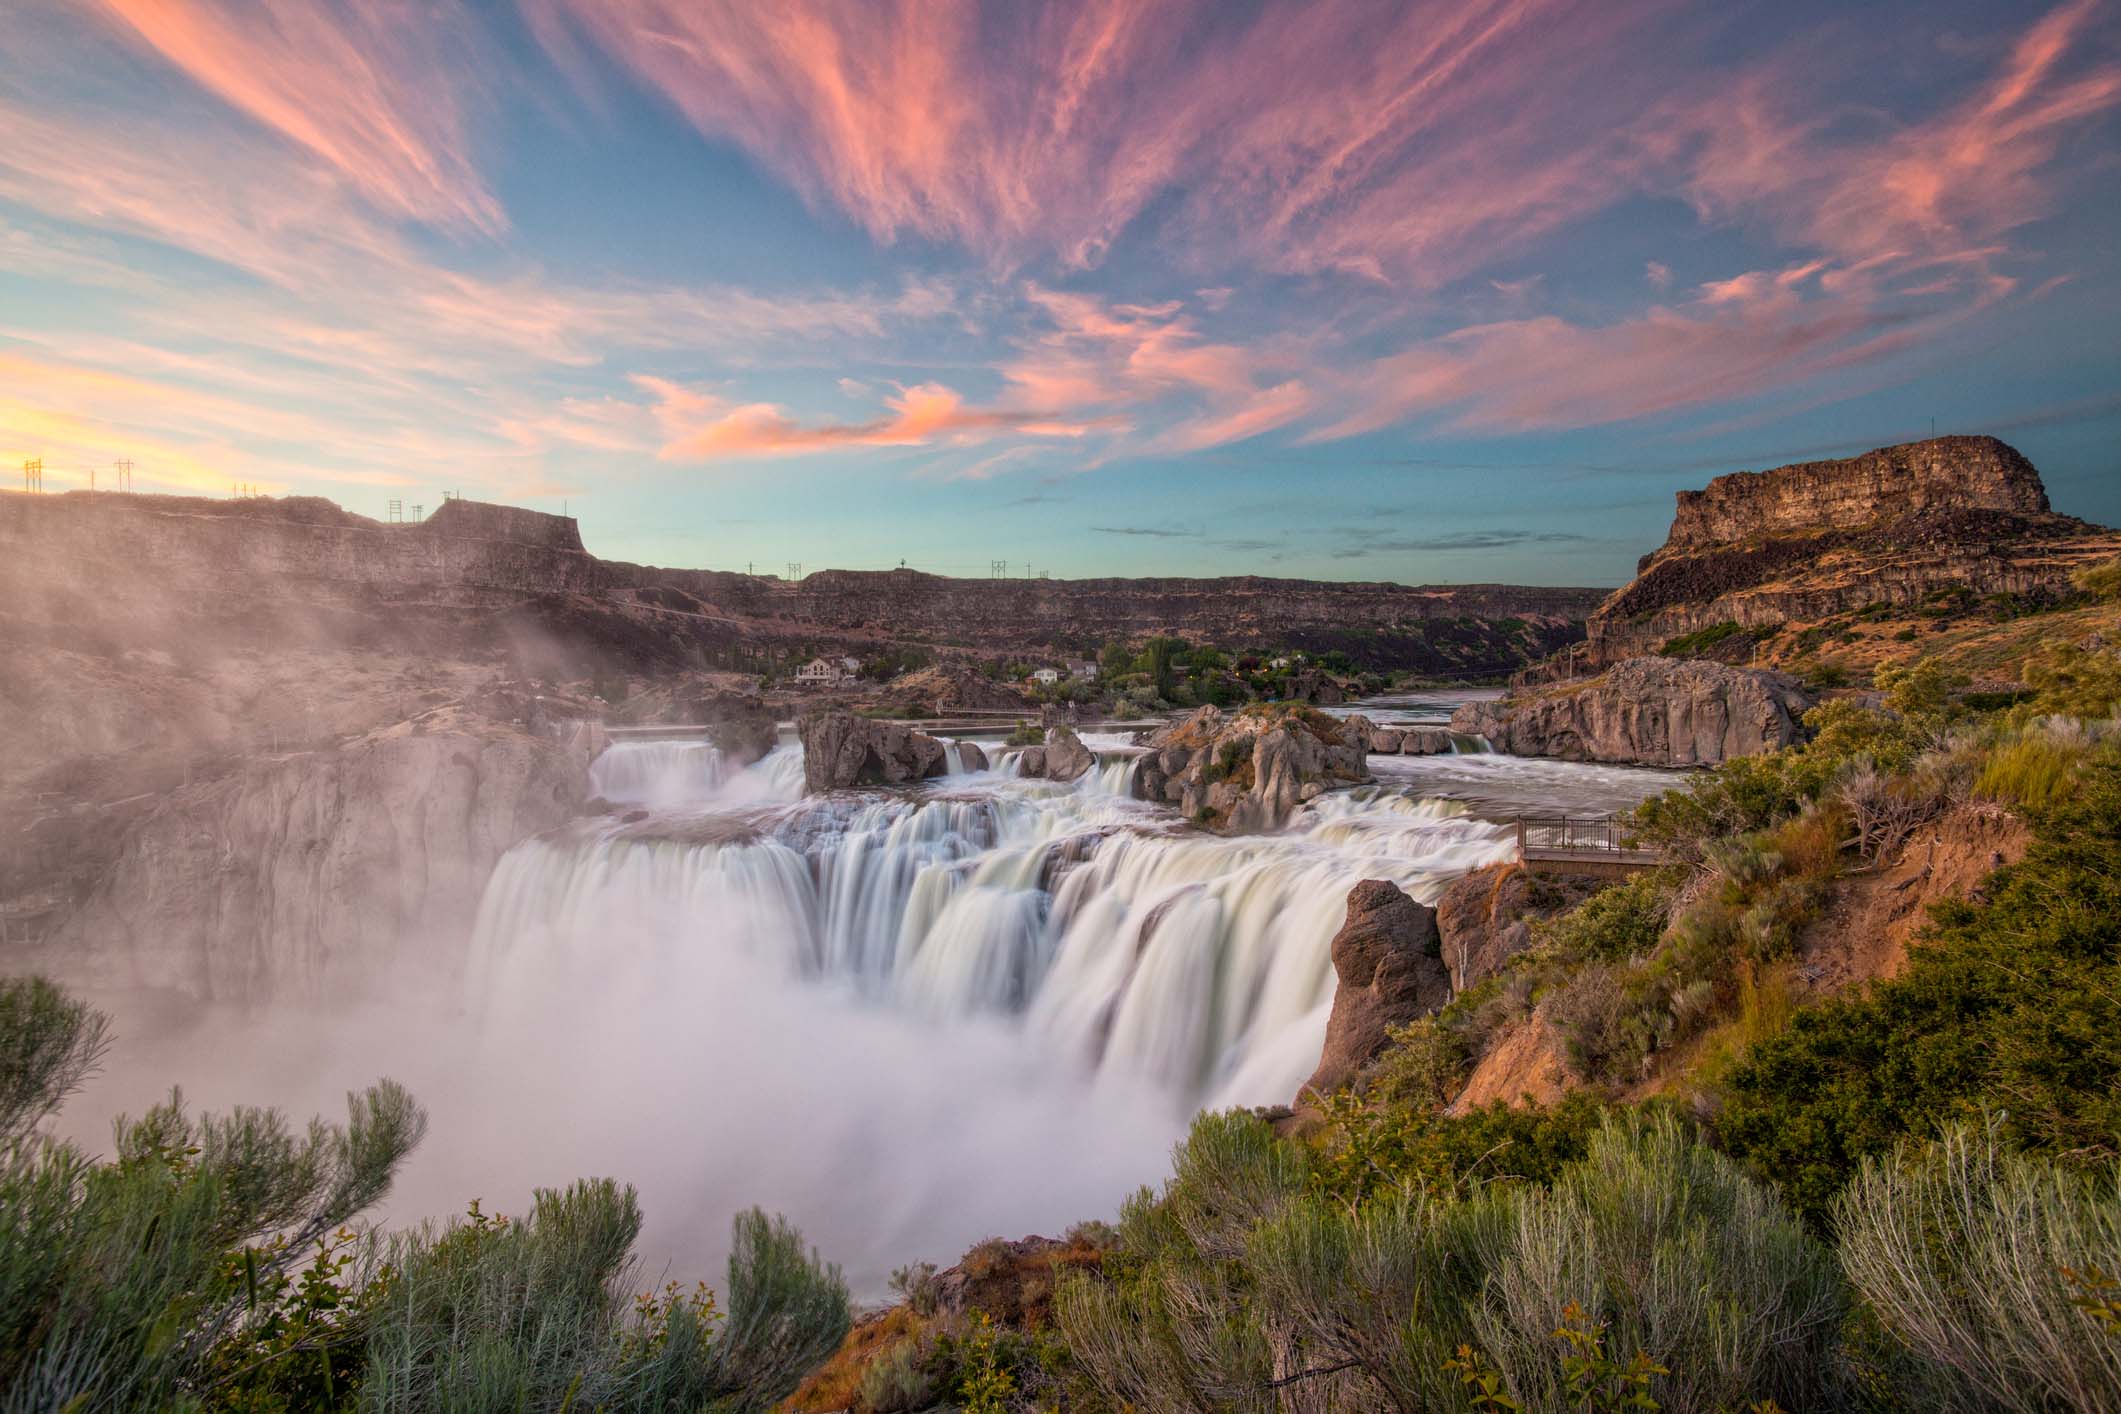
(124,467)
(795,571)
(997,569)
(397,511)
(33,474)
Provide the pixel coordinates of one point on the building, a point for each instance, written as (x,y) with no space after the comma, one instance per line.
(1046,677)
(827,672)
(1082,670)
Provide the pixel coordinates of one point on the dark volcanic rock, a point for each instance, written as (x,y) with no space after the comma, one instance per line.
(1386,957)
(842,750)
(1066,758)
(1648,712)
(973,755)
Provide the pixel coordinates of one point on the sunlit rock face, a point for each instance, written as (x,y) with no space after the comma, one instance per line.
(1647,712)
(1758,556)
(1250,770)
(298,872)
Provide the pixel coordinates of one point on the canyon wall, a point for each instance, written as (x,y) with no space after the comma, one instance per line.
(117,560)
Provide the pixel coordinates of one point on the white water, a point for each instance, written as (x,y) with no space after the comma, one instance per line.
(1113,942)
(909,1020)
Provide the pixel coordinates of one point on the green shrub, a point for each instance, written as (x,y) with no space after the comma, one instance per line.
(207,1265)
(2013,1003)
(1701,640)
(1978,1260)
(2101,581)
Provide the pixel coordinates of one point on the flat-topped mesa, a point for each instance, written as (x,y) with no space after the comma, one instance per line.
(1863,555)
(1914,478)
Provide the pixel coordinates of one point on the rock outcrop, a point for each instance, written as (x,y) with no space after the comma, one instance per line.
(1250,770)
(1892,483)
(841,751)
(1063,757)
(972,756)
(1929,529)
(1647,712)
(1485,918)
(1386,959)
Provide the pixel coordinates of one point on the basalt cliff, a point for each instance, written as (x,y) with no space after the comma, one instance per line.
(1847,557)
(480,575)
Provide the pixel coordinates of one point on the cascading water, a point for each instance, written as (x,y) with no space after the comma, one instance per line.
(1114,941)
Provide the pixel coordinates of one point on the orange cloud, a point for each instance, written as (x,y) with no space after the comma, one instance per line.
(700,427)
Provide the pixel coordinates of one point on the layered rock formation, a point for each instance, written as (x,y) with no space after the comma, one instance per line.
(1389,973)
(1648,712)
(842,751)
(1249,771)
(1757,556)
(295,872)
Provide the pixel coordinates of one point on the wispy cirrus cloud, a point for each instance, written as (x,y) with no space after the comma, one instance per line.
(376,88)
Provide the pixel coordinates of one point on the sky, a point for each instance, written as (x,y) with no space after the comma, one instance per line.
(1427,292)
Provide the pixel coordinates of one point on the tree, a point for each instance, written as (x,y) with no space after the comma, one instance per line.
(209,1264)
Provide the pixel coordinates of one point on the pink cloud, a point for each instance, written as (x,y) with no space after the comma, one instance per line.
(1404,143)
(1737,339)
(369,86)
(1776,148)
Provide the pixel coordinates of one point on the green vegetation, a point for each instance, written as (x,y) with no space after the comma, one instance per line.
(1701,640)
(2013,1004)
(209,1264)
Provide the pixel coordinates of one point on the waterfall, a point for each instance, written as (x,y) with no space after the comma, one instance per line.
(675,775)
(658,773)
(1110,939)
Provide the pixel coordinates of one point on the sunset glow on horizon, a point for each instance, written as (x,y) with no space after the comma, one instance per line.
(1424,292)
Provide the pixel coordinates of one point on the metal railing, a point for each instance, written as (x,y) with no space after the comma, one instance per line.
(1602,833)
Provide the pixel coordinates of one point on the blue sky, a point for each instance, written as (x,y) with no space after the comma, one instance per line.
(1435,292)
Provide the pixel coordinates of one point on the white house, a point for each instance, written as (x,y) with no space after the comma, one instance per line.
(826,672)
(1046,677)
(1083,670)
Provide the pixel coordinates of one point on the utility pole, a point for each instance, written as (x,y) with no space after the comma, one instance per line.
(124,468)
(795,571)
(33,474)
(997,569)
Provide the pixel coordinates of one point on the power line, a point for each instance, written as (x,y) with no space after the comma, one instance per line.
(33,474)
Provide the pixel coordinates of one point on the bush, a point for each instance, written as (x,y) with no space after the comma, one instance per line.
(207,1265)
(1983,1263)
(2013,1003)
(2101,581)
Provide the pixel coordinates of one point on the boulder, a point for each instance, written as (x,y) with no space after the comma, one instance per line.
(841,750)
(1648,712)
(1425,741)
(1386,957)
(1066,756)
(1384,741)
(972,755)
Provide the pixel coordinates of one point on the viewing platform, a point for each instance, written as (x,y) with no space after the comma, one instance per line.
(1595,847)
